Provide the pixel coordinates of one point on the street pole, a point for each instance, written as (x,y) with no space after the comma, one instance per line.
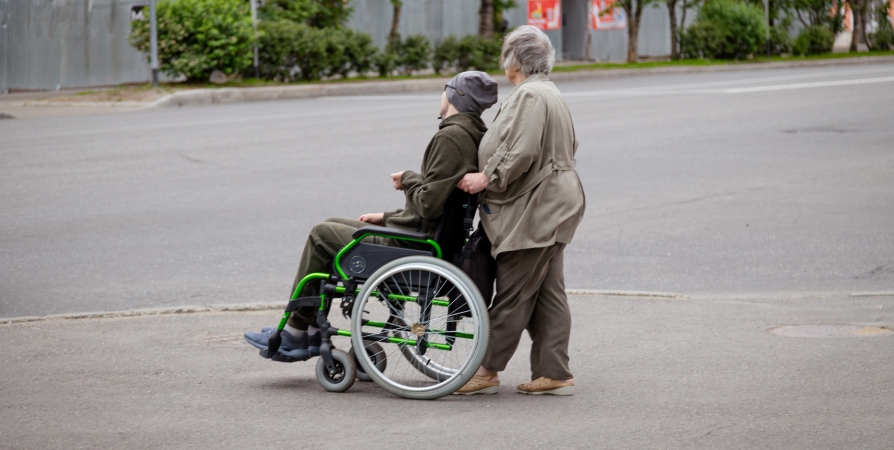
(153,42)
(767,21)
(254,26)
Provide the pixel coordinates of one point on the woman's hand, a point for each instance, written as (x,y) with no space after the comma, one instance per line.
(473,183)
(395,181)
(373,218)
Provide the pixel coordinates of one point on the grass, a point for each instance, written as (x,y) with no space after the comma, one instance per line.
(715,62)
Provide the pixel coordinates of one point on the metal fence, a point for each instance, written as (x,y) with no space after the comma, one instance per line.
(50,44)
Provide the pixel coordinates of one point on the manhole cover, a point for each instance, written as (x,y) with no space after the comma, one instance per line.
(830,331)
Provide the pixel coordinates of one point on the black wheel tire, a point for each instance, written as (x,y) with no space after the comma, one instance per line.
(377,353)
(345,372)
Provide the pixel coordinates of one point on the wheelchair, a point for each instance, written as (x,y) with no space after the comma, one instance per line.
(418,325)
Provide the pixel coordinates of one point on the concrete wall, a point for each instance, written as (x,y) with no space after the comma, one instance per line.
(436,19)
(45,44)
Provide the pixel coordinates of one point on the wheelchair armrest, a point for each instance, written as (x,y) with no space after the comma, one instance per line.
(389,232)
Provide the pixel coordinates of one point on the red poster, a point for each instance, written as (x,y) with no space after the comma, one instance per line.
(545,14)
(608,17)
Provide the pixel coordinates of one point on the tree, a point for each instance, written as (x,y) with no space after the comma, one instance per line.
(395,20)
(672,15)
(858,11)
(634,10)
(486,19)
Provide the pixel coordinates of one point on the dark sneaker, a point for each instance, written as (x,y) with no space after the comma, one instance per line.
(295,347)
(314,343)
(259,340)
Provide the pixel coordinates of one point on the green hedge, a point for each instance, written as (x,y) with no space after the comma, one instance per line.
(470,52)
(726,29)
(196,37)
(813,40)
(291,51)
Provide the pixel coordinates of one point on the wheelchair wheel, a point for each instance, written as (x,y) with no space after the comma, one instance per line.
(342,378)
(413,307)
(376,353)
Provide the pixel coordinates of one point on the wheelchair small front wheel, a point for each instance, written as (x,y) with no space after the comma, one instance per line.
(376,353)
(342,377)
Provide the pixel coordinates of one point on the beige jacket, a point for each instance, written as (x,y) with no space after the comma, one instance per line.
(534,197)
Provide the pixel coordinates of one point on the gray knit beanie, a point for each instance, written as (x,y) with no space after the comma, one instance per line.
(472,91)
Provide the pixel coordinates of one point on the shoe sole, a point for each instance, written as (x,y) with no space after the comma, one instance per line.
(565,390)
(488,390)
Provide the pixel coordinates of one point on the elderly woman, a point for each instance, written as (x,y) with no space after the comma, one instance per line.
(531,205)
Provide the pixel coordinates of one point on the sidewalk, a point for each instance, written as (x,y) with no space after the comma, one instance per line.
(35,104)
(651,373)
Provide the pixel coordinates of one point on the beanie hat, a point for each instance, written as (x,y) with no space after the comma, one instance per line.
(472,91)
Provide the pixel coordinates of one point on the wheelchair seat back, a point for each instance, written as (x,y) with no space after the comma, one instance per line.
(450,233)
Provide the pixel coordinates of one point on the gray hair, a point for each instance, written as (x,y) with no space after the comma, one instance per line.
(529,50)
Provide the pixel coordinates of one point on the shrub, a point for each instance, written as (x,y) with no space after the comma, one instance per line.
(726,29)
(813,40)
(883,37)
(445,55)
(276,58)
(359,52)
(470,52)
(781,38)
(414,54)
(196,37)
(290,51)
(384,63)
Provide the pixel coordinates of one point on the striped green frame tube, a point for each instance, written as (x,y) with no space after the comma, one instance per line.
(297,293)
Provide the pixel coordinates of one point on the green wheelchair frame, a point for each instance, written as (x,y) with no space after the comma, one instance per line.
(337,369)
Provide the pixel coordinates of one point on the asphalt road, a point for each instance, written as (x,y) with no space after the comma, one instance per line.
(650,374)
(745,183)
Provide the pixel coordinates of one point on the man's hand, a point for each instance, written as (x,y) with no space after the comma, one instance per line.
(373,218)
(395,181)
(473,183)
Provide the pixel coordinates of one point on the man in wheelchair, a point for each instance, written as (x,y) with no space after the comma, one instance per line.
(451,153)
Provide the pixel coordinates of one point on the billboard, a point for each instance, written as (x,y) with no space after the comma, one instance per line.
(545,14)
(608,17)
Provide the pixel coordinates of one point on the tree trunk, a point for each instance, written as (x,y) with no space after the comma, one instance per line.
(857,30)
(633,21)
(672,15)
(683,27)
(486,19)
(395,21)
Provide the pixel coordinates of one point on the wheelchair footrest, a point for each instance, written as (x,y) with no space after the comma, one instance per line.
(280,357)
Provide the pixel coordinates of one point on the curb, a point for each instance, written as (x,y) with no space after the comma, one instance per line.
(242,307)
(86,104)
(201,97)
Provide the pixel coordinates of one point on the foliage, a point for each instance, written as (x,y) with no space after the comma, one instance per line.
(316,13)
(726,29)
(445,55)
(817,13)
(470,52)
(500,23)
(781,38)
(196,37)
(291,51)
(813,40)
(883,37)
(414,54)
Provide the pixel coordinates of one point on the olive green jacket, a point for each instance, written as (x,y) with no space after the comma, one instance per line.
(534,197)
(452,153)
